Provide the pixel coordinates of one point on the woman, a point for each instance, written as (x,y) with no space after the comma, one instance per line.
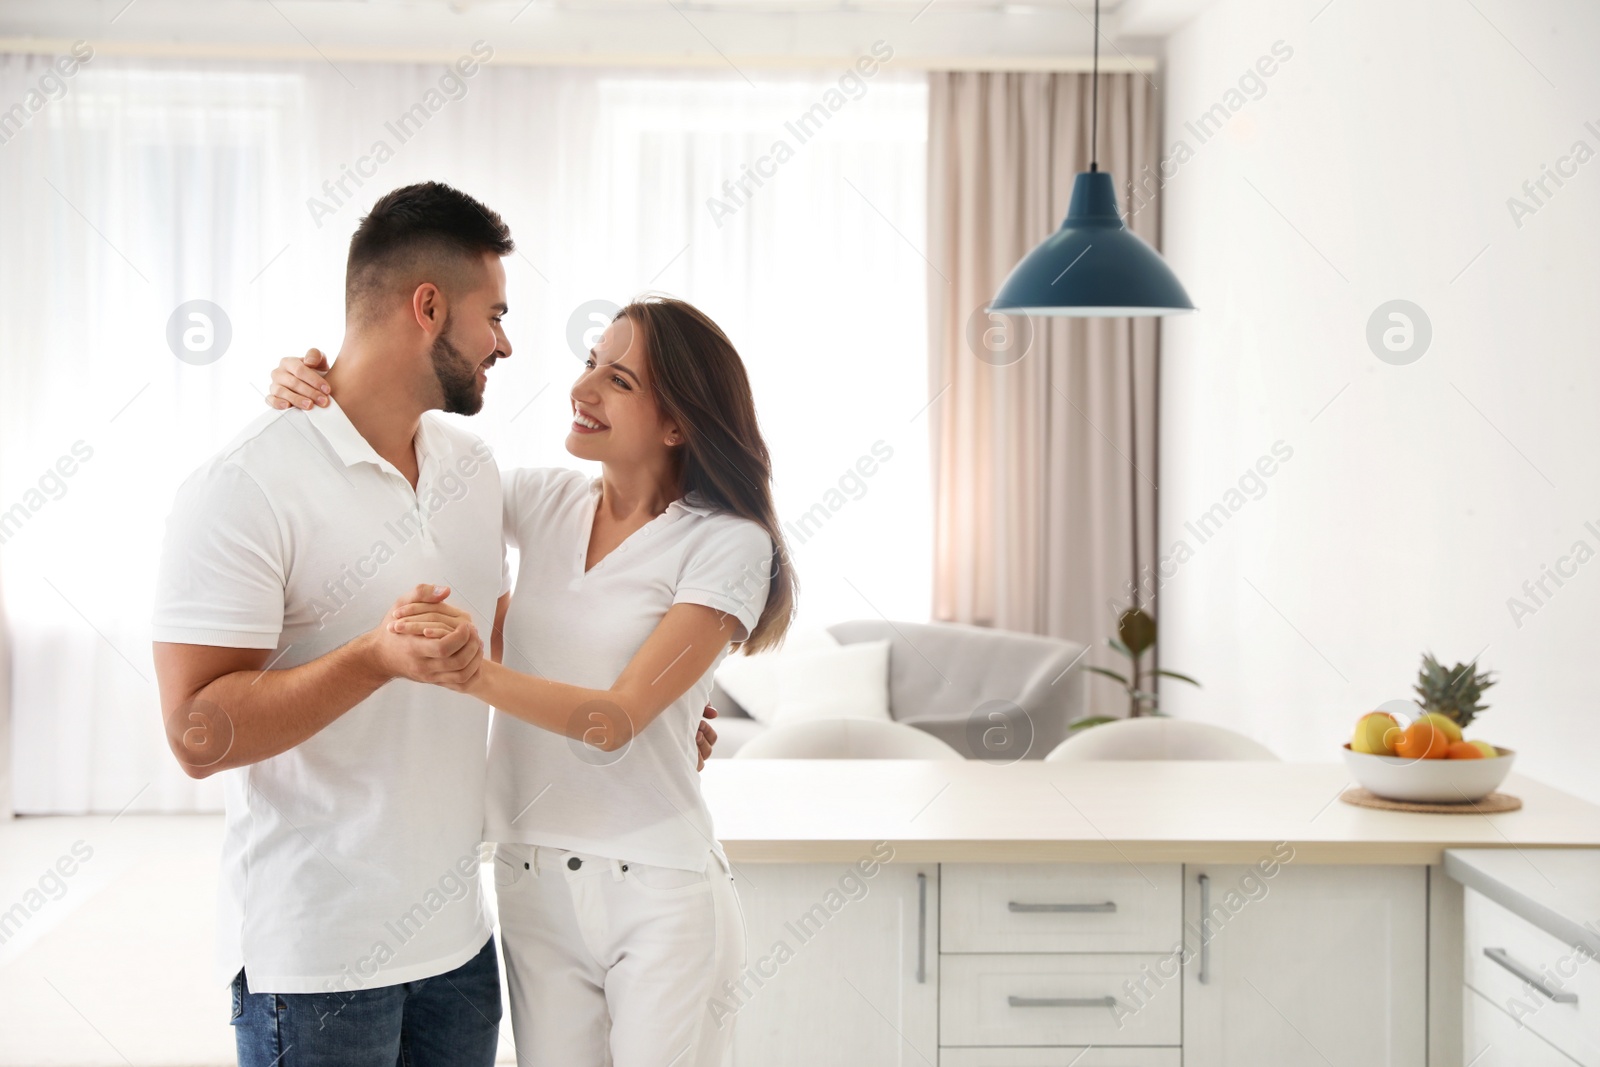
(618,916)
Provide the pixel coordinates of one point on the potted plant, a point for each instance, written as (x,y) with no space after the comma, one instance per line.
(1136,636)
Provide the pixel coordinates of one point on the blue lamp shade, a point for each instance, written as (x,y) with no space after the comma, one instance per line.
(1092,266)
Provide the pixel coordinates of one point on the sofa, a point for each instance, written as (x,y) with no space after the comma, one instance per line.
(989,694)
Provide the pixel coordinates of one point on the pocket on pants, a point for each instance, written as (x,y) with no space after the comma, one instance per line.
(510,864)
(739,932)
(668,881)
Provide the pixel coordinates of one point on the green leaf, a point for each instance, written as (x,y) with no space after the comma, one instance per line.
(1136,629)
(1140,694)
(1180,677)
(1093,720)
(1108,674)
(1120,647)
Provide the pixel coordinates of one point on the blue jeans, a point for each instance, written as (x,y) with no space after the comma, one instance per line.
(448,1020)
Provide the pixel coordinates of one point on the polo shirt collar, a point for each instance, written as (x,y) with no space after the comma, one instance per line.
(693,502)
(337,429)
(351,448)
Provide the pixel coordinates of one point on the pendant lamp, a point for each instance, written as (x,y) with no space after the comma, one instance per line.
(1093,266)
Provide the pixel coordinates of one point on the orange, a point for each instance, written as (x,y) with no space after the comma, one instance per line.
(1422,740)
(1463,750)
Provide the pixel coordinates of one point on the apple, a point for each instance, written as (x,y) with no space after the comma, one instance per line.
(1486,748)
(1372,734)
(1445,723)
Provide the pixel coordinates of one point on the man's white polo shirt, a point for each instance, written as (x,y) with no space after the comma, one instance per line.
(351,860)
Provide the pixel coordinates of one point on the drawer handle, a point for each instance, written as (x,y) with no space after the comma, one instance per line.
(922,928)
(1108,906)
(1062,1002)
(1205,932)
(1500,956)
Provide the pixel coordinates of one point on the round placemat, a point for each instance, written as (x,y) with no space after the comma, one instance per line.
(1489,805)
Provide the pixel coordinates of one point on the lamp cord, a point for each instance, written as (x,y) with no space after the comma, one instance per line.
(1094,107)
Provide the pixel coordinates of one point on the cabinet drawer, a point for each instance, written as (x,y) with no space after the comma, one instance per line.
(1503,949)
(1062,1057)
(1048,907)
(1079,999)
(1492,1038)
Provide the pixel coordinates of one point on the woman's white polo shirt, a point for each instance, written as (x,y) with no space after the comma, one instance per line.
(643,801)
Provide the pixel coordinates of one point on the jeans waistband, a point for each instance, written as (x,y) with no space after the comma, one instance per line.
(546,859)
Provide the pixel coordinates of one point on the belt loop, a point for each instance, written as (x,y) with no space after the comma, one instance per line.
(533,854)
(616,870)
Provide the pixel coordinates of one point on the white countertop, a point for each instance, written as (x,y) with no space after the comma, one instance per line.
(805,811)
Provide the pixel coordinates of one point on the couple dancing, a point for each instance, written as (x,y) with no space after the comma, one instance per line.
(324,588)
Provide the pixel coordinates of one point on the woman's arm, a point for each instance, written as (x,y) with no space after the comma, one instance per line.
(678,652)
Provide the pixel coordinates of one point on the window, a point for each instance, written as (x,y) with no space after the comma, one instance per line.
(148,185)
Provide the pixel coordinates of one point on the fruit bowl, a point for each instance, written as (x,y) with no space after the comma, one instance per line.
(1429,780)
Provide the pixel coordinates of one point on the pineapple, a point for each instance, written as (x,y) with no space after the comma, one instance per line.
(1454,692)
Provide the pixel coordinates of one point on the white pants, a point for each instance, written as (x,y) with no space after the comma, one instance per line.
(612,963)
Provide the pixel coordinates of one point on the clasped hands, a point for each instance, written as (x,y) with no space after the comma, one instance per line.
(427,640)
(424,639)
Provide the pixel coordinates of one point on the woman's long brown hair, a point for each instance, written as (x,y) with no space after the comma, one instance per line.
(700,383)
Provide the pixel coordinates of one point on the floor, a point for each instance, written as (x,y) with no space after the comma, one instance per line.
(112,963)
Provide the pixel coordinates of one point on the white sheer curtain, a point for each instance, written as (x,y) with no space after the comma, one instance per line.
(146,185)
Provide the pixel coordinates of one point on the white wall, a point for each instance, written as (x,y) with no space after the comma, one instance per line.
(1376,165)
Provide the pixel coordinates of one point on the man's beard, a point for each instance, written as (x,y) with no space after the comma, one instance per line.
(458,377)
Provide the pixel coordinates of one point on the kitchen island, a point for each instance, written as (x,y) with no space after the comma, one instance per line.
(1112,914)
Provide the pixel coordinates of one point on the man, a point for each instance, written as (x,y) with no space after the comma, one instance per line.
(352,926)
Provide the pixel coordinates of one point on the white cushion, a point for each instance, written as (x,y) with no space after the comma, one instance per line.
(752,681)
(847,739)
(848,682)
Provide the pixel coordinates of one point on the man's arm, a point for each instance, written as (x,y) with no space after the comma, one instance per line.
(223,709)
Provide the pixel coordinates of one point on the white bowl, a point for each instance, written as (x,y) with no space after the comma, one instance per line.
(1430,780)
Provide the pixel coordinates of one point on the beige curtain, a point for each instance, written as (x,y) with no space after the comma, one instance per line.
(1033,464)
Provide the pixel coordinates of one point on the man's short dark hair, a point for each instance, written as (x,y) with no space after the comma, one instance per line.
(418,233)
